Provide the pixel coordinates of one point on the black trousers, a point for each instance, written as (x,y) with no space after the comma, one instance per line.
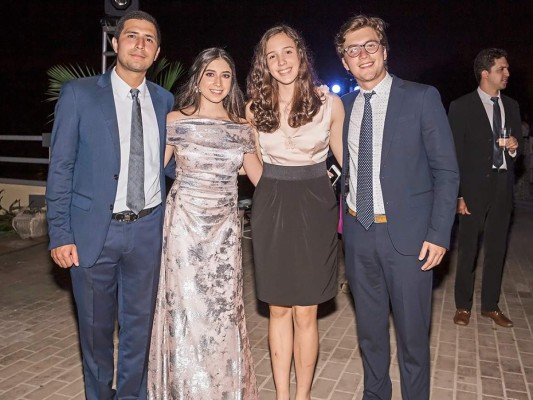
(489,220)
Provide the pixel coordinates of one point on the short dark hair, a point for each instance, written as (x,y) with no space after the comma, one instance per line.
(485,59)
(138,14)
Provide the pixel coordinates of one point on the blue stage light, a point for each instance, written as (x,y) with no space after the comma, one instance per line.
(335,88)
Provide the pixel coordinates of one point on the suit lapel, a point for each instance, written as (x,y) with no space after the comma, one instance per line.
(107,104)
(348,102)
(508,109)
(394,111)
(480,114)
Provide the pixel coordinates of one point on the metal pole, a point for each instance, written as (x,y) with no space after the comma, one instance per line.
(108,30)
(104,49)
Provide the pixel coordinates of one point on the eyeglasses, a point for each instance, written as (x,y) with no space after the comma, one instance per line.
(354,50)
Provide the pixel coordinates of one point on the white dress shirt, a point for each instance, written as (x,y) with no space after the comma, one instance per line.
(379,103)
(489,109)
(152,161)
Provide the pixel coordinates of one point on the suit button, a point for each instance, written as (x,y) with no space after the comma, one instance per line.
(116,177)
(111,207)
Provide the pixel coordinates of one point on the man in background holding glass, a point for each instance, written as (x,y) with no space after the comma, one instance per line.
(479,121)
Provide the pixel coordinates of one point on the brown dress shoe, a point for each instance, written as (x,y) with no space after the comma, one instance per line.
(498,318)
(461,317)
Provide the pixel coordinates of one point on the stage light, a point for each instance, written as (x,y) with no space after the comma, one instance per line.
(335,88)
(117,8)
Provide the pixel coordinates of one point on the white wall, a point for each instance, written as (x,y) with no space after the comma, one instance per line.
(13,192)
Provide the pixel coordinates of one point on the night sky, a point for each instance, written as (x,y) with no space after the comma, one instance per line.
(431,41)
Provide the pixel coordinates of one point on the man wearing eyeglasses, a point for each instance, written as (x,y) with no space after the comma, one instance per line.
(400,182)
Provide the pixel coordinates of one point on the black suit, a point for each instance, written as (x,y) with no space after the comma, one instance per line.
(488,195)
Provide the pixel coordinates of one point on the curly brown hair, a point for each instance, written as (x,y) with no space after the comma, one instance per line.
(263,89)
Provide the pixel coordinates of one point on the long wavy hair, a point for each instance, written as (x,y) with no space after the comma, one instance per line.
(189,96)
(263,89)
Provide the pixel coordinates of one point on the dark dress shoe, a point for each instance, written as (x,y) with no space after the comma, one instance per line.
(498,318)
(461,317)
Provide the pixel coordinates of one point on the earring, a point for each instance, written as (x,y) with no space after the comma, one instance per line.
(196,89)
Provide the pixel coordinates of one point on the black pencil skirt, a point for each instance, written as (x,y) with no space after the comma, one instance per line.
(294,232)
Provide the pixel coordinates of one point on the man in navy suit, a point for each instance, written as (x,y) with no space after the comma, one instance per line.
(114,252)
(486,192)
(400,182)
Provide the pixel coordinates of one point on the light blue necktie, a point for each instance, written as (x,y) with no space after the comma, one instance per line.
(135,195)
(365,196)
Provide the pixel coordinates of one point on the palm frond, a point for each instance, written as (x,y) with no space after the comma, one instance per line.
(170,77)
(59,74)
(166,74)
(156,69)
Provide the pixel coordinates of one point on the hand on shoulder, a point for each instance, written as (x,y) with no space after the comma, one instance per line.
(323,91)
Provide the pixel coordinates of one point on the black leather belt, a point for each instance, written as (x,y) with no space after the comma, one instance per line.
(130,216)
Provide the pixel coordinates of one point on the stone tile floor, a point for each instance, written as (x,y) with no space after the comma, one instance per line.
(40,358)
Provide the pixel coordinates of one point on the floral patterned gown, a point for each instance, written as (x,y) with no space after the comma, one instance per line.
(199,347)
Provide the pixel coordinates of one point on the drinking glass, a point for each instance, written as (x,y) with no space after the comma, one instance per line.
(505,133)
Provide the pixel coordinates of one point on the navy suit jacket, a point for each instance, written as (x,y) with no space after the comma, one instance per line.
(474,140)
(85,163)
(419,174)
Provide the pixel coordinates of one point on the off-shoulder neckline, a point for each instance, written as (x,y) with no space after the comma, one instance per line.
(222,121)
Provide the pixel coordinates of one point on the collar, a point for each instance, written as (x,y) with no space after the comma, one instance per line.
(485,97)
(381,88)
(122,89)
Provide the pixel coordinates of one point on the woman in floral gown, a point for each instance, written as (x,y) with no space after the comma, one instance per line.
(199,348)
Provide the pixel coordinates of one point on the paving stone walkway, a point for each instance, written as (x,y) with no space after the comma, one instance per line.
(40,357)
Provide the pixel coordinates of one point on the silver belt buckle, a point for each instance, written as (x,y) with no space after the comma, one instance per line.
(130,217)
(127,216)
